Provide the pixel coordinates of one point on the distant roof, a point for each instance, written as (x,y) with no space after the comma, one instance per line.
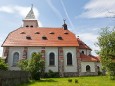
(41,36)
(82,45)
(89,58)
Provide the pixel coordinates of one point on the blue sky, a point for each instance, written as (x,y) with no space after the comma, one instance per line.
(83,17)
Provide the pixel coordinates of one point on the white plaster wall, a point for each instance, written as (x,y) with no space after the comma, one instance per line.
(99,64)
(29,23)
(88,52)
(48,50)
(12,50)
(84,64)
(31,50)
(72,68)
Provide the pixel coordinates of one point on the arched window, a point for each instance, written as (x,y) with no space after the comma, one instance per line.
(88,69)
(51,59)
(15,58)
(69,59)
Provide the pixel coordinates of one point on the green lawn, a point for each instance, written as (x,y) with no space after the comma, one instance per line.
(82,81)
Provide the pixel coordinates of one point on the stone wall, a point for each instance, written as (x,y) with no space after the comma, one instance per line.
(13,78)
(88,74)
(71,74)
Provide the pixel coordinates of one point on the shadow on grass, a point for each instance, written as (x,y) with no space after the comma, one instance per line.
(47,80)
(31,82)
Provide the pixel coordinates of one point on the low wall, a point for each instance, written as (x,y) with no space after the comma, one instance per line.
(88,74)
(13,78)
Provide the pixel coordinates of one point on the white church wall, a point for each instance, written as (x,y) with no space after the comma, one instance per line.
(48,50)
(84,64)
(99,65)
(72,68)
(12,50)
(33,49)
(88,52)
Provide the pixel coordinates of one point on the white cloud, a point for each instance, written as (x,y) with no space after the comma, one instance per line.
(20,10)
(99,9)
(88,37)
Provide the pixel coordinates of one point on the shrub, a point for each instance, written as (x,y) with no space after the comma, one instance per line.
(51,74)
(76,81)
(3,65)
(69,80)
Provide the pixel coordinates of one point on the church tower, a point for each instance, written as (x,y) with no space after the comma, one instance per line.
(30,21)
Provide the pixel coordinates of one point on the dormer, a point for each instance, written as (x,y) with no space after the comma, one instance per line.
(30,21)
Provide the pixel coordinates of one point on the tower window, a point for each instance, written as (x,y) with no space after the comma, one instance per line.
(28,37)
(31,26)
(60,38)
(27,26)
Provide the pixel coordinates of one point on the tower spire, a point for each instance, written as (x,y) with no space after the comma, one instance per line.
(30,15)
(30,21)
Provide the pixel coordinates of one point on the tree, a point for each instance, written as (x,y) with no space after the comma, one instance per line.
(35,65)
(106,42)
(3,65)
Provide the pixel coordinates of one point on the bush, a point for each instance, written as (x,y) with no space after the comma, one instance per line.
(76,81)
(51,74)
(69,80)
(3,65)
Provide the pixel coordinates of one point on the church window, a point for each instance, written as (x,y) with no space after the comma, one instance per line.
(60,38)
(69,59)
(51,59)
(88,69)
(15,58)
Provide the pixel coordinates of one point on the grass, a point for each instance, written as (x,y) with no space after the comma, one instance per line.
(82,81)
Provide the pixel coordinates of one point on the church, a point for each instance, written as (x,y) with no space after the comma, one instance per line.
(62,51)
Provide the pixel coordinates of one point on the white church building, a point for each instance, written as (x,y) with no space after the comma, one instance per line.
(62,51)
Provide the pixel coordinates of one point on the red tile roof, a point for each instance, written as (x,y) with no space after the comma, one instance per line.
(33,37)
(82,45)
(89,58)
